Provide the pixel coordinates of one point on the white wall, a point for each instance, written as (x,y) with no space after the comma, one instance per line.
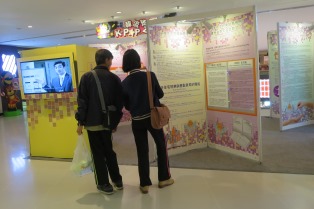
(267,21)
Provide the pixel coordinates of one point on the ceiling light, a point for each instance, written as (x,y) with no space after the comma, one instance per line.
(30,26)
(118,12)
(87,21)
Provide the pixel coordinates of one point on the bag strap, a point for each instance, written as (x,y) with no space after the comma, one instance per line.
(100,93)
(150,91)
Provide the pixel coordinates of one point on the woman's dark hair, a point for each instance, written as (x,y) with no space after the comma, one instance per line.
(131,60)
(101,56)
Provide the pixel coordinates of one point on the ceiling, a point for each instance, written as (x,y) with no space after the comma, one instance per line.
(61,22)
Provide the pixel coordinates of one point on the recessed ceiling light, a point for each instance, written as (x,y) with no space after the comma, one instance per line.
(30,26)
(87,21)
(118,12)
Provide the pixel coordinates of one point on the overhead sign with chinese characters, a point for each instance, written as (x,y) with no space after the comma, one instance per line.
(132,28)
(129,29)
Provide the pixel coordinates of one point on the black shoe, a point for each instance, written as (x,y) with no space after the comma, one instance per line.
(118,185)
(106,189)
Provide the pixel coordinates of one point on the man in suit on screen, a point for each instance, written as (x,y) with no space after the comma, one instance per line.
(63,82)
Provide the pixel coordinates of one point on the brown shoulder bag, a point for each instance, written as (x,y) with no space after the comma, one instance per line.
(159,115)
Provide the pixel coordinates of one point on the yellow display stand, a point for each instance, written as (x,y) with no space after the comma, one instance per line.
(51,116)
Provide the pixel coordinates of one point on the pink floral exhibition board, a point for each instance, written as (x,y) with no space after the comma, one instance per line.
(209,64)
(229,56)
(230,37)
(274,73)
(117,51)
(296,48)
(236,132)
(176,58)
(231,84)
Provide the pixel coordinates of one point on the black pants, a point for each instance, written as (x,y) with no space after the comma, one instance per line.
(140,128)
(104,157)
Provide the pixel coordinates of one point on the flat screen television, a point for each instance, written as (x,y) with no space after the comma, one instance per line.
(47,74)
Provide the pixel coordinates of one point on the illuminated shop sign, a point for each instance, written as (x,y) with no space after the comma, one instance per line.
(130,28)
(9,63)
(106,30)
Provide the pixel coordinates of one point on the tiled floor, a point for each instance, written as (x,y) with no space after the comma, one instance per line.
(39,184)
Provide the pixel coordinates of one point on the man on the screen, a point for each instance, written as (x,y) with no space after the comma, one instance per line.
(62,83)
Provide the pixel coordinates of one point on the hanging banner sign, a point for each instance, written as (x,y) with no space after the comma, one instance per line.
(132,28)
(129,29)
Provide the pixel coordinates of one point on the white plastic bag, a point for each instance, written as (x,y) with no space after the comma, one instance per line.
(82,163)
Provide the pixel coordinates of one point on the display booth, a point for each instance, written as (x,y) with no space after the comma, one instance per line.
(291,54)
(296,51)
(10,95)
(51,99)
(207,66)
(10,92)
(264,86)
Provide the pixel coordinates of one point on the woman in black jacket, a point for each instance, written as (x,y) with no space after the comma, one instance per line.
(135,95)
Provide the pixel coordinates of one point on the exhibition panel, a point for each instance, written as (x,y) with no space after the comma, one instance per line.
(51,99)
(296,61)
(207,66)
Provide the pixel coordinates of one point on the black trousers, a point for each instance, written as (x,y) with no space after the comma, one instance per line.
(140,130)
(104,158)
